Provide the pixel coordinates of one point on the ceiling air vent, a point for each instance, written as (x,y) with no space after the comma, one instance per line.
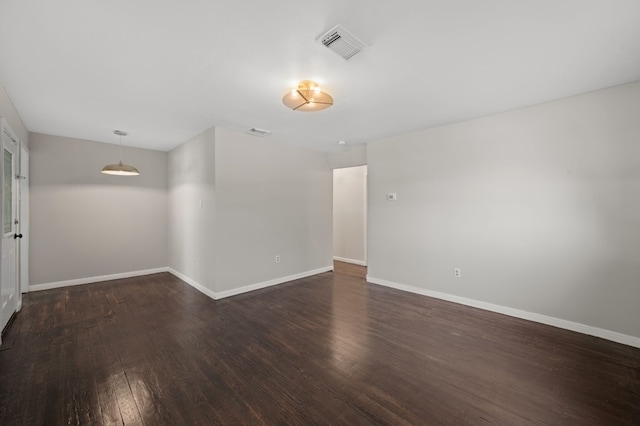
(260,132)
(342,42)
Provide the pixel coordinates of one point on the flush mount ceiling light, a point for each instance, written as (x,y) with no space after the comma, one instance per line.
(307,97)
(120,169)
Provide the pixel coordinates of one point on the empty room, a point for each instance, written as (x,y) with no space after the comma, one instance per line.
(320,213)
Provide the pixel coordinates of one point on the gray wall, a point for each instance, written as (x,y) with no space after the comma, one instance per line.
(8,111)
(350,156)
(349,214)
(192,208)
(260,198)
(86,224)
(271,199)
(539,207)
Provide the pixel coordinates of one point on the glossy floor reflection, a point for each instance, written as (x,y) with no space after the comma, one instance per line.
(328,349)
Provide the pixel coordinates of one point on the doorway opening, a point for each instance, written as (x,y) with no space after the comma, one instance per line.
(350,215)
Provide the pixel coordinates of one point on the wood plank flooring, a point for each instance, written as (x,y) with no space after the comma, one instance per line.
(328,349)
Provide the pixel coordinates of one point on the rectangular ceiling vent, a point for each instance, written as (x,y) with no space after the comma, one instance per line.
(260,132)
(342,42)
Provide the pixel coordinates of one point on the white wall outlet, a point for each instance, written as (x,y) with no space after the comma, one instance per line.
(277,258)
(392,196)
(457,272)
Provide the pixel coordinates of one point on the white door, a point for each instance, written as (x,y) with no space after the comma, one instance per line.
(9,272)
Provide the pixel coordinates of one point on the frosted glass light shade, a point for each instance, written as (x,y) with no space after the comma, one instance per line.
(307,97)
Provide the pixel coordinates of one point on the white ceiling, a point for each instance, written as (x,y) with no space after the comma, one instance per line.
(166,70)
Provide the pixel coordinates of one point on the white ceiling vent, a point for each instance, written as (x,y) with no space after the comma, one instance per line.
(260,132)
(342,42)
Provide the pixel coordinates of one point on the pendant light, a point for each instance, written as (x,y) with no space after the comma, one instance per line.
(120,169)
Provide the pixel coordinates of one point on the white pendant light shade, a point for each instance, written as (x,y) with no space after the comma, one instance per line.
(120,169)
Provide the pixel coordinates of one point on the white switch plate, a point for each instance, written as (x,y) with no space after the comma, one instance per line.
(457,272)
(278,259)
(392,196)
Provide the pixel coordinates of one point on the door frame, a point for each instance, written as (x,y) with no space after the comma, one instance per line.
(23,222)
(365,217)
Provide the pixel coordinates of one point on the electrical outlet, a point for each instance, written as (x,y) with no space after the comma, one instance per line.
(278,258)
(457,272)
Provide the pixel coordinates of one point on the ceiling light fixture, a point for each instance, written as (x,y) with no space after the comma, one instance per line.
(120,169)
(307,97)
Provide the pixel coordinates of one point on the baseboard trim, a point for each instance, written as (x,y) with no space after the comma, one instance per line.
(517,313)
(347,260)
(193,283)
(245,289)
(269,283)
(88,280)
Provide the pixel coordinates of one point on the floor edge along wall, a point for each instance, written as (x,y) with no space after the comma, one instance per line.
(530,316)
(517,313)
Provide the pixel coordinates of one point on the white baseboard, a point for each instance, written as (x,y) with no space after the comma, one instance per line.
(193,283)
(67,283)
(247,288)
(275,281)
(347,260)
(531,316)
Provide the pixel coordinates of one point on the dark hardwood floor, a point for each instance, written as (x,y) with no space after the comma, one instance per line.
(329,349)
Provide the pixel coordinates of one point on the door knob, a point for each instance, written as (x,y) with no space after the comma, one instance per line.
(17,236)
